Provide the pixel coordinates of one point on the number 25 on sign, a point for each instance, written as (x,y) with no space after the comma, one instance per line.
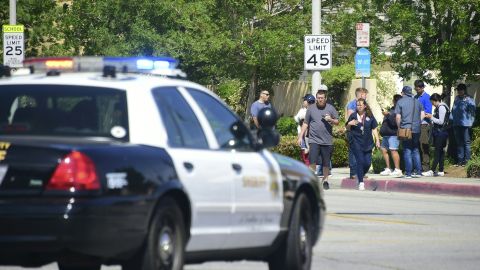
(318,52)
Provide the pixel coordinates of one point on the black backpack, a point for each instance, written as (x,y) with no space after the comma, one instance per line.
(447,124)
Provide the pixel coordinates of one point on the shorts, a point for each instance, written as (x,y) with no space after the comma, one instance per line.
(323,151)
(390,142)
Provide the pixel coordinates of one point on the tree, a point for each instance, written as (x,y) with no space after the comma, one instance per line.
(440,35)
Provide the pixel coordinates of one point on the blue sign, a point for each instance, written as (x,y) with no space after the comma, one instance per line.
(362,63)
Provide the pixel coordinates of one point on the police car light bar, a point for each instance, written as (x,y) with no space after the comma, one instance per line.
(163,66)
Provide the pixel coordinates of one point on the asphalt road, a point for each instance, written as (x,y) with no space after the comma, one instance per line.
(378,230)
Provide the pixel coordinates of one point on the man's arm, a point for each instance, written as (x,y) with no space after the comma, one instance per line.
(398,118)
(255,121)
(302,132)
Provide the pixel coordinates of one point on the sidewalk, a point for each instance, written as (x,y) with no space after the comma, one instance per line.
(427,185)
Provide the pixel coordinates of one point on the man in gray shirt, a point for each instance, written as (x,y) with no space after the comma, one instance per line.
(409,112)
(261,103)
(319,121)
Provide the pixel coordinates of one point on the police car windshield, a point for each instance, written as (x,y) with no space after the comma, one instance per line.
(63,110)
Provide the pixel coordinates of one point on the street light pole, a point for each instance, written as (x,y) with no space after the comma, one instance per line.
(13,12)
(316,30)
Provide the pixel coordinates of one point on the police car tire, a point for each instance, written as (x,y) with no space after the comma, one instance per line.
(63,266)
(167,225)
(296,251)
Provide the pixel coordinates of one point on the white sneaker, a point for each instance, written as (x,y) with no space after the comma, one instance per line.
(439,174)
(415,175)
(397,173)
(361,186)
(429,173)
(387,171)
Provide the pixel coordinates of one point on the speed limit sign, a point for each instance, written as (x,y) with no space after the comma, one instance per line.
(318,52)
(13,45)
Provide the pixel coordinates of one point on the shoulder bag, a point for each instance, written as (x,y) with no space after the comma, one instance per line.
(404,134)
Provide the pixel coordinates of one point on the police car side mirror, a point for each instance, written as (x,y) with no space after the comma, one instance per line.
(267,136)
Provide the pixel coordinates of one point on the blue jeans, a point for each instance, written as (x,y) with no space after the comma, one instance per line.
(411,151)
(463,139)
(364,161)
(351,157)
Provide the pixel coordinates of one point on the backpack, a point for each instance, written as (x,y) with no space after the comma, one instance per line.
(447,124)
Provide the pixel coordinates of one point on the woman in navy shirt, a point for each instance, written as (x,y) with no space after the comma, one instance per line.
(363,129)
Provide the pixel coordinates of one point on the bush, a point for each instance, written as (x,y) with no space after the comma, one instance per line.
(378,162)
(476,147)
(473,167)
(340,153)
(475,133)
(288,147)
(287,126)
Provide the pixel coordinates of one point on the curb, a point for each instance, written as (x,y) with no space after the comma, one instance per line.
(415,187)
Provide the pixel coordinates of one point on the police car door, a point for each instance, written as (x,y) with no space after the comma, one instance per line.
(258,203)
(210,190)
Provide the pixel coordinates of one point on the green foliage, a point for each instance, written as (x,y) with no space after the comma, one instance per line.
(338,80)
(287,126)
(340,153)
(229,91)
(475,147)
(434,35)
(386,87)
(378,162)
(477,117)
(475,133)
(288,147)
(473,167)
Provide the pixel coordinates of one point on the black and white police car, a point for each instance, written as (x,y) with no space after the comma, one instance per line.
(110,160)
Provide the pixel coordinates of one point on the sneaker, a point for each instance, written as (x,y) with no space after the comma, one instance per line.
(326,185)
(387,171)
(407,177)
(330,175)
(397,173)
(439,174)
(361,186)
(456,165)
(429,173)
(416,175)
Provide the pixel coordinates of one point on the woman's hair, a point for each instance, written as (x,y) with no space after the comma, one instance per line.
(437,97)
(396,98)
(368,111)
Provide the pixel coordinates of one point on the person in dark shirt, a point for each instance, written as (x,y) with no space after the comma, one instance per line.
(363,129)
(390,140)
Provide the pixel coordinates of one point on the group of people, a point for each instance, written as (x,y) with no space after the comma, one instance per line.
(426,117)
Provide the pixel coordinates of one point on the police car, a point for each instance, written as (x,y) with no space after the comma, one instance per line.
(121,161)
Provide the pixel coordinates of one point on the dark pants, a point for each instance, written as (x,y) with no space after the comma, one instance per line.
(411,153)
(425,146)
(463,138)
(351,157)
(364,161)
(439,143)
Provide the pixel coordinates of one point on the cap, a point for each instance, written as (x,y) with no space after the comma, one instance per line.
(323,87)
(309,98)
(407,90)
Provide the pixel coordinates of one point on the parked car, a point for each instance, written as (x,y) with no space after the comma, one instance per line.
(111,160)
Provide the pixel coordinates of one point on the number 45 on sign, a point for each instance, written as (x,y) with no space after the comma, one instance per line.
(318,52)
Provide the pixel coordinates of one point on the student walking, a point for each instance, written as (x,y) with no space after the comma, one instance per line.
(308,99)
(390,141)
(363,129)
(360,92)
(319,120)
(440,134)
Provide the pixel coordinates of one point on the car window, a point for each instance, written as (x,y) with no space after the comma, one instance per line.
(223,121)
(183,128)
(63,110)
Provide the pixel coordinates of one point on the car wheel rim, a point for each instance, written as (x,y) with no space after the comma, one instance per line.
(303,243)
(166,246)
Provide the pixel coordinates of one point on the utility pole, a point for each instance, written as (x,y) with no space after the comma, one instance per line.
(13,12)
(316,30)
